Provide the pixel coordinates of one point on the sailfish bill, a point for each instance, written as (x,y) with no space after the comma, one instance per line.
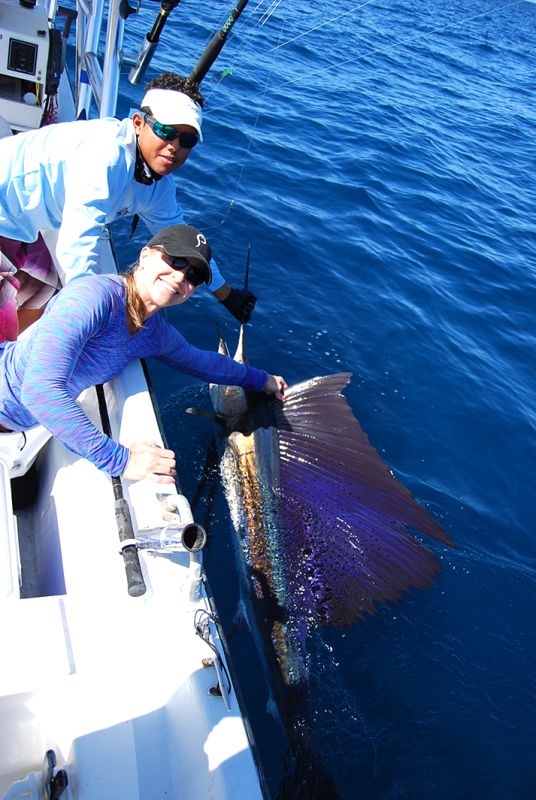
(323,523)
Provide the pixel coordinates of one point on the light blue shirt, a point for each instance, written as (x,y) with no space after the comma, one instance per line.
(75,177)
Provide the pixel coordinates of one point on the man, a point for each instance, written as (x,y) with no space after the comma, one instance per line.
(75,177)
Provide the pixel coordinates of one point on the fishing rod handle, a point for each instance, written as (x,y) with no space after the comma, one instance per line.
(215,45)
(135,582)
(131,560)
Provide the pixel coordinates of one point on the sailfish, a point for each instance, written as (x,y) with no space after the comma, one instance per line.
(325,527)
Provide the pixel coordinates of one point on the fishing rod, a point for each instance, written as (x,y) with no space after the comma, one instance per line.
(208,56)
(135,582)
(215,45)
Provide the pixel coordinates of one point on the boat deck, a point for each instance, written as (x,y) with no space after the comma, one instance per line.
(114,684)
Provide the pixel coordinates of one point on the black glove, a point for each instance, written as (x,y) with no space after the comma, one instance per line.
(240,302)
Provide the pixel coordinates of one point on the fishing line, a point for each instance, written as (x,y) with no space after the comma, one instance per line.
(404,43)
(270,11)
(261,105)
(247,39)
(230,36)
(264,16)
(322,24)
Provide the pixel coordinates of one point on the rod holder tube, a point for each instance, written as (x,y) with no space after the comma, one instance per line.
(151,41)
(91,65)
(143,60)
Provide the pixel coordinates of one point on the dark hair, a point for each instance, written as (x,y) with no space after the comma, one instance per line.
(170,80)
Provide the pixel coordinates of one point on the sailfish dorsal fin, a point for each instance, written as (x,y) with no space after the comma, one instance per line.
(343,515)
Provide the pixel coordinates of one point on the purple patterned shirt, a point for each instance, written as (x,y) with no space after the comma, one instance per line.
(81,340)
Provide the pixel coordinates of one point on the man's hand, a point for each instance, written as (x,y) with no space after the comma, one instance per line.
(240,302)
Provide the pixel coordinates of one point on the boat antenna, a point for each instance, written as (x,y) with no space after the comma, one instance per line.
(150,42)
(215,45)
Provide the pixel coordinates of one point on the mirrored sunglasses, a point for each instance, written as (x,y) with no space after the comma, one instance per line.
(193,274)
(168,133)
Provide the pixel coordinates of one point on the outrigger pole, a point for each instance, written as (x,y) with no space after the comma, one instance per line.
(209,55)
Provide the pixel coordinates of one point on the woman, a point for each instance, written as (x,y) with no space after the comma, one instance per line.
(92,329)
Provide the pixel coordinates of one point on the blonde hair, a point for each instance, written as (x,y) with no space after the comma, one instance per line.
(134,305)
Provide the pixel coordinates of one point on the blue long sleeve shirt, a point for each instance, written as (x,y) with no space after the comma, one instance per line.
(82,340)
(75,177)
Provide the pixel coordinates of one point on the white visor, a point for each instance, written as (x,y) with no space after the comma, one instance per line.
(171,107)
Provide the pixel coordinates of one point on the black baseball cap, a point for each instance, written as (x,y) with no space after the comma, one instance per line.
(183,241)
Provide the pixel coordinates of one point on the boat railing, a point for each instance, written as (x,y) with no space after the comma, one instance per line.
(93,81)
(112,59)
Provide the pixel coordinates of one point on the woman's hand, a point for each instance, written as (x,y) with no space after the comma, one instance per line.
(275,385)
(149,461)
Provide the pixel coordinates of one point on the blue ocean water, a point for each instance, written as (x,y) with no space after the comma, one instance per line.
(380,159)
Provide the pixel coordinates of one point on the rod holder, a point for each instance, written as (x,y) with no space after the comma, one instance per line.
(142,61)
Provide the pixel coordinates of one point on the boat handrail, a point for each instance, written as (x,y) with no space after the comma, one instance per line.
(91,64)
(111,70)
(52,9)
(90,76)
(9,560)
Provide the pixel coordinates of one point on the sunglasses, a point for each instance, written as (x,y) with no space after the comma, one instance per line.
(168,133)
(193,275)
